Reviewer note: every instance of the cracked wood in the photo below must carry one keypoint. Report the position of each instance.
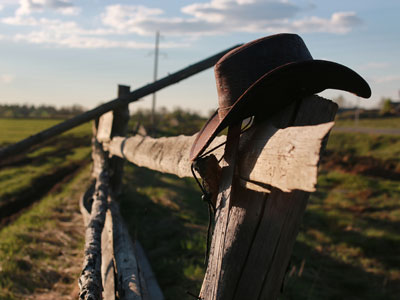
(268, 157)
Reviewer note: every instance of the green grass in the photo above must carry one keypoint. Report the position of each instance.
(389, 122)
(13, 130)
(35, 249)
(22, 173)
(168, 217)
(361, 144)
(32, 247)
(347, 247)
(348, 244)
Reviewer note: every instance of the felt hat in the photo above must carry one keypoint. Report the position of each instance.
(265, 75)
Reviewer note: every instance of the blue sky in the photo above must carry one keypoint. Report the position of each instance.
(64, 52)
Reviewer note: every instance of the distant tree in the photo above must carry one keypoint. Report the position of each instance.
(386, 106)
(42, 111)
(169, 123)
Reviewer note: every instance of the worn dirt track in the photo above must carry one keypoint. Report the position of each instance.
(363, 165)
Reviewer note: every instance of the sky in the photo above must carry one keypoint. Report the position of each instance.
(66, 52)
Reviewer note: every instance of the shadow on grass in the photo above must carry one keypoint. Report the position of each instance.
(167, 216)
(40, 186)
(323, 277)
(384, 249)
(61, 147)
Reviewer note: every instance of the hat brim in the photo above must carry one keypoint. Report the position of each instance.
(281, 86)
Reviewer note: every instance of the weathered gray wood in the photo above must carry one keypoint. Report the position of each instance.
(98, 156)
(151, 289)
(85, 203)
(127, 271)
(262, 228)
(107, 259)
(90, 282)
(119, 128)
(105, 127)
(141, 92)
(218, 249)
(268, 157)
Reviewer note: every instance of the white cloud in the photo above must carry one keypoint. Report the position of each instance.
(6, 78)
(70, 34)
(80, 41)
(64, 7)
(124, 18)
(339, 23)
(120, 23)
(1, 7)
(226, 16)
(236, 11)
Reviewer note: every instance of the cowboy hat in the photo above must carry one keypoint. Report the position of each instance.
(265, 75)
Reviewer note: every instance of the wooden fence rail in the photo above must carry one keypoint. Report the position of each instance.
(260, 190)
(263, 162)
(276, 170)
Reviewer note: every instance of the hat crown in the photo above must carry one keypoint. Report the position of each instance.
(237, 70)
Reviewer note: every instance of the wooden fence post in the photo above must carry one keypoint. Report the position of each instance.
(90, 281)
(121, 276)
(261, 228)
(119, 128)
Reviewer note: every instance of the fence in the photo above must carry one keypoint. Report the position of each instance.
(260, 192)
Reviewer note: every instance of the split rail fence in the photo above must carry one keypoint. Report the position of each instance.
(258, 209)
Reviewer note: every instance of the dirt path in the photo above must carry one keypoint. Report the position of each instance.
(63, 240)
(47, 183)
(364, 165)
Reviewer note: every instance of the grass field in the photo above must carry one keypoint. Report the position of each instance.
(39, 233)
(347, 247)
(30, 174)
(348, 244)
(42, 251)
(388, 122)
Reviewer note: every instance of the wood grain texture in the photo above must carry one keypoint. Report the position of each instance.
(107, 258)
(150, 288)
(129, 284)
(262, 227)
(90, 281)
(268, 156)
(105, 127)
(218, 247)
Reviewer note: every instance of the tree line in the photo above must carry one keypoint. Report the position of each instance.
(39, 112)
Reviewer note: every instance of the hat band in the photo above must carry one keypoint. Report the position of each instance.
(223, 111)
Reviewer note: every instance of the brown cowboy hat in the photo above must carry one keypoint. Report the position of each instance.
(265, 75)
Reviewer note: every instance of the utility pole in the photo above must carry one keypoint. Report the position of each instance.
(153, 106)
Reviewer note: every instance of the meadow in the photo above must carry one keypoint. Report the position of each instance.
(347, 247)
(348, 243)
(40, 232)
(26, 177)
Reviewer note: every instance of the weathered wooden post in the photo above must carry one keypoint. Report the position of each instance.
(121, 276)
(90, 281)
(119, 128)
(255, 231)
(262, 227)
(114, 124)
